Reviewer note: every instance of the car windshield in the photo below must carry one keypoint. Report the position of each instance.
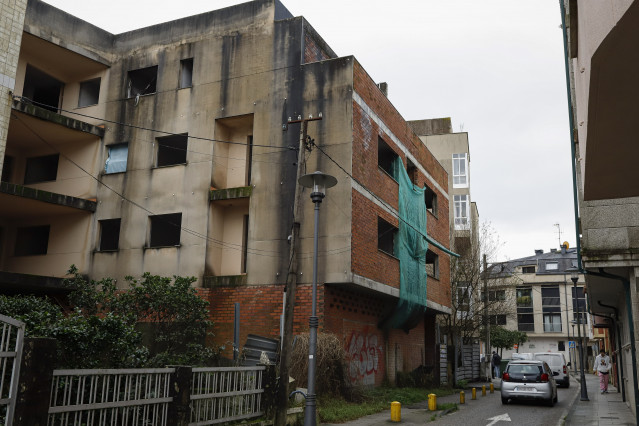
(524, 369)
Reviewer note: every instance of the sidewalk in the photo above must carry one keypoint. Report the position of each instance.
(606, 409)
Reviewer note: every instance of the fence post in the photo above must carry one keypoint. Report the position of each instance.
(269, 382)
(39, 357)
(179, 411)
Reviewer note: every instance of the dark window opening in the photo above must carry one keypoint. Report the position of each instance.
(31, 241)
(89, 92)
(109, 234)
(496, 295)
(431, 200)
(165, 230)
(497, 320)
(386, 236)
(561, 345)
(249, 158)
(528, 269)
(186, 73)
(42, 89)
(245, 243)
(7, 169)
(41, 169)
(385, 157)
(525, 316)
(142, 81)
(579, 301)
(432, 264)
(172, 150)
(411, 170)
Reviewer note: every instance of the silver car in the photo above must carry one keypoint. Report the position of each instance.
(528, 379)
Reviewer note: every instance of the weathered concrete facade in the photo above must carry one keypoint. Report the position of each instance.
(182, 145)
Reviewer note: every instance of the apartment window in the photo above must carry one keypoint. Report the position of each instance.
(551, 308)
(461, 212)
(578, 299)
(386, 157)
(109, 234)
(44, 90)
(89, 92)
(497, 320)
(525, 317)
(464, 298)
(432, 264)
(460, 171)
(552, 266)
(32, 240)
(430, 197)
(171, 150)
(528, 269)
(186, 73)
(41, 169)
(116, 158)
(142, 81)
(561, 345)
(165, 230)
(496, 295)
(7, 169)
(386, 236)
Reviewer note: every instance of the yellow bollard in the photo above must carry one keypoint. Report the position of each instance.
(483, 390)
(432, 402)
(462, 397)
(474, 393)
(396, 411)
(492, 388)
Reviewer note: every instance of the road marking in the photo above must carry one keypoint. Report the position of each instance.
(501, 418)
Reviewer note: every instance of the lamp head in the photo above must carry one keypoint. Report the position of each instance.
(318, 182)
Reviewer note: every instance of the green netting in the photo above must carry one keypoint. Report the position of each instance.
(410, 248)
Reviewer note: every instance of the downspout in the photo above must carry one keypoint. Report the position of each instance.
(620, 377)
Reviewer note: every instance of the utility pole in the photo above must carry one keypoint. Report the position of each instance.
(486, 322)
(291, 279)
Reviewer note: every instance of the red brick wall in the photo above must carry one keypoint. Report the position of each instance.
(312, 50)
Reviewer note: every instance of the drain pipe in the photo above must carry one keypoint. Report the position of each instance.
(620, 377)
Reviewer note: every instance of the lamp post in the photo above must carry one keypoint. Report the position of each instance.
(574, 277)
(318, 181)
(574, 364)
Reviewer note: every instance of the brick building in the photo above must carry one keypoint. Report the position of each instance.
(166, 149)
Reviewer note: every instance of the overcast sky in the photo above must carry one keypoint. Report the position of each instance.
(494, 66)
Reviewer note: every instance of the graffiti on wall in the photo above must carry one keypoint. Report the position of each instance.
(364, 357)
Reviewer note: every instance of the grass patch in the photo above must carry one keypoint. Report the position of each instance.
(371, 401)
(447, 406)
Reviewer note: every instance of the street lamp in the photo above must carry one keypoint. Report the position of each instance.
(574, 277)
(318, 181)
(574, 364)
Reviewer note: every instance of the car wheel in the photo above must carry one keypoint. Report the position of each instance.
(550, 402)
(504, 400)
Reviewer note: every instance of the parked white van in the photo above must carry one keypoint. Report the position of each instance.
(521, 355)
(557, 363)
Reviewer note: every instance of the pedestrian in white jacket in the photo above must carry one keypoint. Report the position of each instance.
(602, 367)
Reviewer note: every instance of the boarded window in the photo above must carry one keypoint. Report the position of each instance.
(386, 236)
(32, 240)
(186, 73)
(116, 158)
(432, 264)
(165, 230)
(89, 92)
(142, 81)
(385, 157)
(172, 150)
(41, 169)
(109, 234)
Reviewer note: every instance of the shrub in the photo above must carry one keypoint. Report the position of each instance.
(329, 367)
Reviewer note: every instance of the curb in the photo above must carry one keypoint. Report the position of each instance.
(563, 418)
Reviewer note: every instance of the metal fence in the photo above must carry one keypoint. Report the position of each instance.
(11, 343)
(127, 397)
(223, 394)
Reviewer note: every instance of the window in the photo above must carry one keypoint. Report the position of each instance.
(172, 150)
(7, 169)
(89, 92)
(41, 169)
(497, 320)
(460, 174)
(432, 264)
(528, 269)
(461, 212)
(43, 89)
(431, 200)
(386, 236)
(117, 158)
(165, 230)
(411, 170)
(496, 295)
(245, 243)
(109, 234)
(552, 266)
(386, 157)
(579, 300)
(464, 298)
(142, 81)
(561, 345)
(31, 241)
(525, 317)
(186, 73)
(551, 307)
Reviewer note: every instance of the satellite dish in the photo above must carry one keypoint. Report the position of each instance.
(566, 244)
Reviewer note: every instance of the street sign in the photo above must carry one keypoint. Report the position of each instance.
(571, 344)
(515, 346)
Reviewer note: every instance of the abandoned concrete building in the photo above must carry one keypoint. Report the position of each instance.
(167, 149)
